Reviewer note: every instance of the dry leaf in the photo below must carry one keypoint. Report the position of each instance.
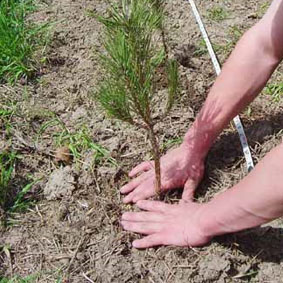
(63, 154)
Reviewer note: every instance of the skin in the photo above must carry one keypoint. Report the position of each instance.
(257, 199)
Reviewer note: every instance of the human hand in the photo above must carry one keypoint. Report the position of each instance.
(181, 167)
(166, 224)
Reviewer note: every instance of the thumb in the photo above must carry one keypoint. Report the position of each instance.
(189, 190)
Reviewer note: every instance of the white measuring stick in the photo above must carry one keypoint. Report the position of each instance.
(236, 120)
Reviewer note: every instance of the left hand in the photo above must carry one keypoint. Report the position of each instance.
(180, 167)
(166, 224)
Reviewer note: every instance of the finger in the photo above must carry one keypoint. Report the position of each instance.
(143, 191)
(138, 194)
(129, 198)
(144, 166)
(132, 184)
(149, 241)
(189, 189)
(143, 216)
(182, 201)
(151, 205)
(142, 227)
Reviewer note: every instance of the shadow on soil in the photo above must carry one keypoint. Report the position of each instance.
(264, 243)
(228, 148)
(227, 151)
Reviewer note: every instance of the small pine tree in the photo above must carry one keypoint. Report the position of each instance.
(131, 63)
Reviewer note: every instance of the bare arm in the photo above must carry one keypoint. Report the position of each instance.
(257, 199)
(243, 76)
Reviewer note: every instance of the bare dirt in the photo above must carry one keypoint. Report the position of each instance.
(72, 233)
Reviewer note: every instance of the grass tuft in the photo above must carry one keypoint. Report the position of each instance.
(19, 279)
(18, 41)
(275, 90)
(7, 162)
(80, 142)
(10, 200)
(217, 14)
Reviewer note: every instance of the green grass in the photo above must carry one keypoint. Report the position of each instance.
(11, 197)
(19, 40)
(12, 201)
(201, 48)
(7, 163)
(235, 33)
(80, 142)
(7, 111)
(275, 90)
(20, 204)
(170, 143)
(217, 14)
(262, 9)
(19, 279)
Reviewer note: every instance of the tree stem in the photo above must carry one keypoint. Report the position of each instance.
(156, 157)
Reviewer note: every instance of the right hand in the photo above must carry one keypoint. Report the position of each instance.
(181, 167)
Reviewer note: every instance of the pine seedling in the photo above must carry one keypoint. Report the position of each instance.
(131, 63)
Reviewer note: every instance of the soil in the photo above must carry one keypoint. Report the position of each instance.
(72, 232)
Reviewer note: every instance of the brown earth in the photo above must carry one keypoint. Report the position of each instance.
(74, 235)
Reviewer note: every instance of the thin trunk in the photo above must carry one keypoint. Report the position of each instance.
(156, 157)
(166, 49)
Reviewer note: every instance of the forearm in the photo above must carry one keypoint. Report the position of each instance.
(257, 199)
(242, 78)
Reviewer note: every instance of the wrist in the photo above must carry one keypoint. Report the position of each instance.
(208, 224)
(199, 141)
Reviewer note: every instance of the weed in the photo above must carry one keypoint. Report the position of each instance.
(80, 142)
(7, 163)
(20, 204)
(170, 143)
(18, 41)
(262, 9)
(18, 279)
(217, 14)
(248, 111)
(235, 33)
(9, 200)
(7, 112)
(275, 90)
(201, 48)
